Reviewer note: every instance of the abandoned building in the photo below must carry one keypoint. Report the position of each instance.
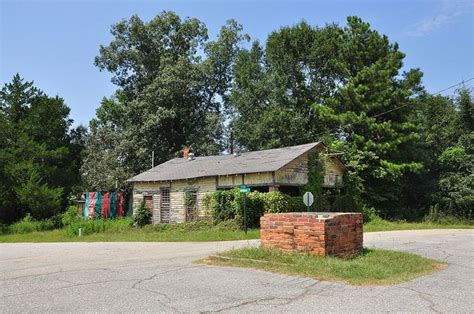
(174, 190)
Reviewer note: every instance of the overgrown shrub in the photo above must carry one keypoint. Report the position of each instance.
(70, 216)
(440, 217)
(228, 205)
(98, 226)
(41, 200)
(370, 215)
(278, 202)
(142, 216)
(28, 224)
(3, 228)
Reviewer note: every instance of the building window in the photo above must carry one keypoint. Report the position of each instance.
(165, 205)
(191, 205)
(148, 199)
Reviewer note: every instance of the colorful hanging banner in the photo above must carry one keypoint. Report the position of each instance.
(105, 205)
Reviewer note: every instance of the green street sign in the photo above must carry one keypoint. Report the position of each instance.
(244, 188)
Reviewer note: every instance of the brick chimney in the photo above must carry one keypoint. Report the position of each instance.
(186, 152)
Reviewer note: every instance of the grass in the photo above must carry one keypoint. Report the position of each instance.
(384, 225)
(132, 235)
(372, 267)
(121, 230)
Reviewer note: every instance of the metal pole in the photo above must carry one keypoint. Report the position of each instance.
(153, 159)
(245, 214)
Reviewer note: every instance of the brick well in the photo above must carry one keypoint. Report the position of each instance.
(323, 234)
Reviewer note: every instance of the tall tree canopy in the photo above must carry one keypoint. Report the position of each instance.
(310, 83)
(449, 132)
(171, 81)
(340, 84)
(39, 153)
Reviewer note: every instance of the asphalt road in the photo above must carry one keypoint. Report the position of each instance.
(160, 277)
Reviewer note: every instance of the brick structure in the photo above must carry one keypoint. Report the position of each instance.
(323, 234)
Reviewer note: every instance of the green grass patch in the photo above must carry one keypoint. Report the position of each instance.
(132, 235)
(372, 267)
(123, 230)
(384, 225)
(67, 230)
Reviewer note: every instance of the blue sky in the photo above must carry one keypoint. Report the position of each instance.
(54, 42)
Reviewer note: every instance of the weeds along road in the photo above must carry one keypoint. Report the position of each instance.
(131, 277)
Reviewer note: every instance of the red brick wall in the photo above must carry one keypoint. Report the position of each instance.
(323, 234)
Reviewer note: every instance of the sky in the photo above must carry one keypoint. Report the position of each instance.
(53, 43)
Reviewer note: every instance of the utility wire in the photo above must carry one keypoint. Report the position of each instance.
(395, 109)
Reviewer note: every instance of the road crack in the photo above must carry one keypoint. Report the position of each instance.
(258, 301)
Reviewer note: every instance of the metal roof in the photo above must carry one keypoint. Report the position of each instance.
(249, 162)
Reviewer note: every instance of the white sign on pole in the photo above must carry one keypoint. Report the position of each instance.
(308, 199)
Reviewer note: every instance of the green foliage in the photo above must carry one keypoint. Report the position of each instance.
(193, 226)
(308, 80)
(142, 215)
(192, 212)
(176, 87)
(223, 205)
(28, 224)
(454, 163)
(228, 205)
(41, 200)
(316, 172)
(450, 222)
(171, 81)
(436, 216)
(70, 216)
(278, 202)
(39, 152)
(98, 226)
(370, 215)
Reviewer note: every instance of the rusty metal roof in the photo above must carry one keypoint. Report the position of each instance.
(248, 162)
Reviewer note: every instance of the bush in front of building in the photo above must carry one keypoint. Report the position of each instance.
(277, 202)
(71, 215)
(228, 205)
(142, 216)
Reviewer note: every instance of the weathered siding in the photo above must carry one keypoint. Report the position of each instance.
(150, 186)
(177, 195)
(176, 205)
(334, 173)
(333, 168)
(263, 178)
(294, 173)
(141, 189)
(178, 189)
(229, 181)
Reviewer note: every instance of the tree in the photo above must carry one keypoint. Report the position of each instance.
(331, 83)
(37, 166)
(455, 163)
(466, 110)
(171, 81)
(104, 165)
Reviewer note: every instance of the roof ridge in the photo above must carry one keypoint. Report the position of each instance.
(256, 151)
(266, 160)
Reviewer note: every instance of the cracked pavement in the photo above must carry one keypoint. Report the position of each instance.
(160, 277)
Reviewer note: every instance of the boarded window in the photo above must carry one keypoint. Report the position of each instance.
(191, 205)
(148, 202)
(165, 205)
